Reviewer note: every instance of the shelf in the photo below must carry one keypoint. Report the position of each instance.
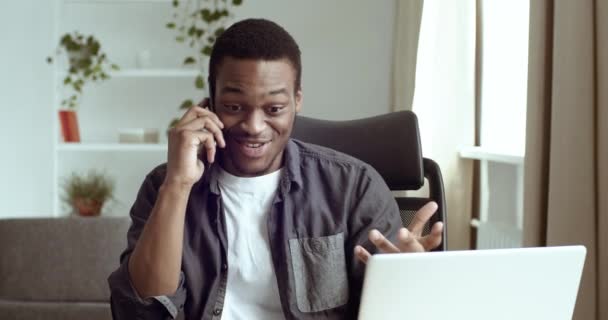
(135, 147)
(150, 73)
(481, 153)
(155, 73)
(117, 1)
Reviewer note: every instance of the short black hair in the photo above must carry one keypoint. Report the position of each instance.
(258, 39)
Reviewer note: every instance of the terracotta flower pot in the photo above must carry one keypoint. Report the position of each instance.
(69, 126)
(87, 207)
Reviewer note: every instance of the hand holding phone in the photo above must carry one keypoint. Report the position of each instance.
(199, 131)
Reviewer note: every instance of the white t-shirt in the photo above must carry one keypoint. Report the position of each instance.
(252, 291)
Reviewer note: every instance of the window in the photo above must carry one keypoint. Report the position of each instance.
(504, 65)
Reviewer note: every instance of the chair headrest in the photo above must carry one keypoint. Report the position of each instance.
(390, 143)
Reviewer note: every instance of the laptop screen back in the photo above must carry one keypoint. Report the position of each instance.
(525, 283)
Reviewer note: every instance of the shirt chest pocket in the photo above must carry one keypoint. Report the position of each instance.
(319, 268)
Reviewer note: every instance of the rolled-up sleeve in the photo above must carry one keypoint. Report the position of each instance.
(124, 299)
(127, 304)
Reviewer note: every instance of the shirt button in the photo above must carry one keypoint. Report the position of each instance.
(217, 312)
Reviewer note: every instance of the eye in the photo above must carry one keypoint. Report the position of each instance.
(275, 109)
(233, 107)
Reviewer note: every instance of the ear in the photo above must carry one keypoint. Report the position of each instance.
(299, 98)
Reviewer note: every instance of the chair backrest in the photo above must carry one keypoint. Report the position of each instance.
(391, 144)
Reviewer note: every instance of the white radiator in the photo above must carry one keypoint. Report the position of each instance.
(493, 235)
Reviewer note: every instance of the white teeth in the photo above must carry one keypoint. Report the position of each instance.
(254, 145)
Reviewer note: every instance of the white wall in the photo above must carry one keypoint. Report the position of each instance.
(346, 52)
(26, 109)
(346, 45)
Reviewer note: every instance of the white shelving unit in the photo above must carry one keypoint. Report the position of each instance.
(132, 97)
(104, 147)
(117, 1)
(150, 73)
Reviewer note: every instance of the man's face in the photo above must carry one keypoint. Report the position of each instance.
(256, 101)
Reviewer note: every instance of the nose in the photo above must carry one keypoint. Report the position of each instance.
(254, 123)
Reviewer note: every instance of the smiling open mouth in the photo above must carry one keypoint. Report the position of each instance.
(253, 145)
(252, 149)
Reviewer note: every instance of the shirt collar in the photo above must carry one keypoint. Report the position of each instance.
(292, 174)
(291, 164)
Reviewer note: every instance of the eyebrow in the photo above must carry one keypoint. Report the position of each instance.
(229, 89)
(279, 91)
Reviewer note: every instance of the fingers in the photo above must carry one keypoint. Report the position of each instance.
(196, 139)
(433, 239)
(199, 112)
(208, 142)
(362, 254)
(383, 244)
(202, 124)
(408, 241)
(422, 217)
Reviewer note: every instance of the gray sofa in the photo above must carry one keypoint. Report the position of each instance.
(56, 268)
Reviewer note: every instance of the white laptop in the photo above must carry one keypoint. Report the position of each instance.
(526, 283)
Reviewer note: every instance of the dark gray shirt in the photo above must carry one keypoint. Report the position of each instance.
(326, 204)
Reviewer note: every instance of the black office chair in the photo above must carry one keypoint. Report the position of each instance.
(391, 144)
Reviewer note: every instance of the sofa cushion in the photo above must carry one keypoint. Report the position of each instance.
(59, 259)
(55, 310)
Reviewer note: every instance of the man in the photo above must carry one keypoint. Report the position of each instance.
(244, 223)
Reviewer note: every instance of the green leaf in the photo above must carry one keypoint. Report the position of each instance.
(175, 3)
(186, 104)
(49, 60)
(192, 31)
(237, 2)
(171, 25)
(115, 67)
(211, 39)
(189, 60)
(199, 82)
(180, 39)
(207, 50)
(206, 15)
(216, 15)
(67, 80)
(173, 123)
(219, 31)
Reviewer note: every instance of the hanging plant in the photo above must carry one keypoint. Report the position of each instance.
(198, 23)
(86, 62)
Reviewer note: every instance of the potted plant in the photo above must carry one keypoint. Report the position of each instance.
(86, 194)
(86, 62)
(198, 23)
